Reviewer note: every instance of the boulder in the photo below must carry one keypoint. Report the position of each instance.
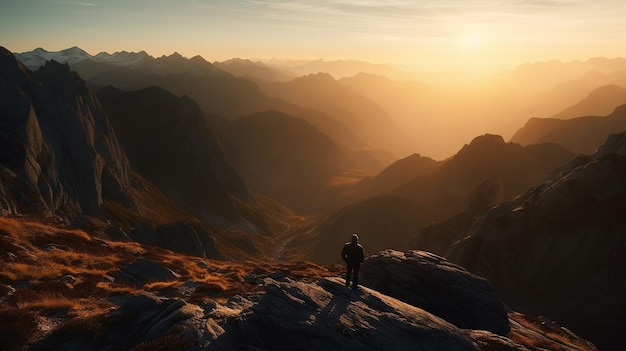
(438, 286)
(143, 271)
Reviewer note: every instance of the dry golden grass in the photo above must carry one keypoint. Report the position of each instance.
(41, 255)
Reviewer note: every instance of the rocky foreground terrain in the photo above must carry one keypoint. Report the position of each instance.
(64, 289)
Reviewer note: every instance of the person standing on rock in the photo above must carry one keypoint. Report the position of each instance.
(352, 254)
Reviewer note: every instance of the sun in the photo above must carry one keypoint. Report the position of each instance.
(471, 41)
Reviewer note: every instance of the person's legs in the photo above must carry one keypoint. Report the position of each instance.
(355, 279)
(348, 274)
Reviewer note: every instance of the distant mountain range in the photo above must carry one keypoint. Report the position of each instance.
(389, 219)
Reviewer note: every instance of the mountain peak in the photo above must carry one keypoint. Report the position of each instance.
(486, 141)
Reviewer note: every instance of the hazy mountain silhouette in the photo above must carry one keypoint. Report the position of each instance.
(337, 68)
(557, 249)
(580, 135)
(322, 92)
(169, 142)
(439, 194)
(600, 102)
(216, 91)
(399, 172)
(288, 159)
(517, 166)
(254, 70)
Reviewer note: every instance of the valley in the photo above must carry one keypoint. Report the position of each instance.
(217, 196)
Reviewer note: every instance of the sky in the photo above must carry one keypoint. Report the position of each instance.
(426, 35)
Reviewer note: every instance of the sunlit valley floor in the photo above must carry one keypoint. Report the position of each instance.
(171, 203)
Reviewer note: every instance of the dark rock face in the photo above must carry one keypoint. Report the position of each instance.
(58, 152)
(183, 237)
(438, 237)
(169, 142)
(557, 249)
(440, 287)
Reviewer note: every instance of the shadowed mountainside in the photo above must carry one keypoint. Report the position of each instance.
(438, 237)
(98, 295)
(387, 221)
(289, 159)
(580, 135)
(557, 248)
(165, 138)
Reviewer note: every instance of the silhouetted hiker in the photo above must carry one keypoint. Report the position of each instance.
(353, 255)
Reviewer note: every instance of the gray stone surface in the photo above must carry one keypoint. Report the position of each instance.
(438, 286)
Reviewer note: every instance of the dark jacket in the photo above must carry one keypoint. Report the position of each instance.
(352, 253)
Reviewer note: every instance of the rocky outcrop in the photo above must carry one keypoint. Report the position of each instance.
(151, 298)
(183, 237)
(56, 144)
(440, 287)
(287, 315)
(556, 249)
(438, 237)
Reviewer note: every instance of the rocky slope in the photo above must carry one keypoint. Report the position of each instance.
(58, 152)
(557, 248)
(102, 295)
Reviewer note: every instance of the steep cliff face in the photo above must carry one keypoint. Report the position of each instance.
(58, 152)
(558, 248)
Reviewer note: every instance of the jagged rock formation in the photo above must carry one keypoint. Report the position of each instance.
(557, 249)
(165, 137)
(440, 287)
(438, 237)
(579, 135)
(58, 152)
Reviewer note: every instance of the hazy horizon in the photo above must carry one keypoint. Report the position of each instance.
(464, 37)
